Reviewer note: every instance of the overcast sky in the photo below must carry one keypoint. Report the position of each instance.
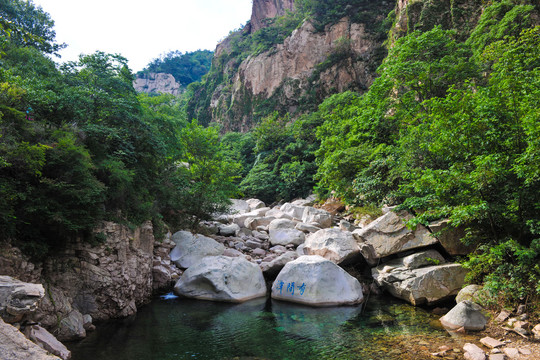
(142, 30)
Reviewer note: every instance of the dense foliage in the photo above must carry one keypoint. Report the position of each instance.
(186, 68)
(78, 145)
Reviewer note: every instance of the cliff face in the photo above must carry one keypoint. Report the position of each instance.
(158, 83)
(306, 68)
(268, 9)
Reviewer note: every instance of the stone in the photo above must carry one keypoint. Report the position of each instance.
(536, 331)
(161, 277)
(15, 346)
(333, 244)
(278, 249)
(512, 353)
(258, 252)
(255, 204)
(426, 285)
(491, 342)
(300, 250)
(521, 309)
(473, 352)
(469, 292)
(254, 223)
(18, 299)
(254, 244)
(423, 258)
(190, 251)
(273, 267)
(232, 253)
(229, 230)
(239, 206)
(522, 327)
(497, 357)
(450, 237)
(388, 235)
(466, 314)
(47, 341)
(181, 236)
(307, 228)
(316, 281)
(503, 316)
(240, 219)
(293, 211)
(221, 278)
(281, 224)
(260, 235)
(87, 323)
(286, 237)
(525, 351)
(346, 226)
(318, 216)
(71, 327)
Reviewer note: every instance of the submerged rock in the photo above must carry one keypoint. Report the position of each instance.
(222, 278)
(314, 280)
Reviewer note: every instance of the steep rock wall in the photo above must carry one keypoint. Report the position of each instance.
(157, 83)
(268, 9)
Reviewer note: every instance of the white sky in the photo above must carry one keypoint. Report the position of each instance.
(142, 30)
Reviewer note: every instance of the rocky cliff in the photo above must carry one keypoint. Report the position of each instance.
(87, 282)
(293, 76)
(268, 9)
(157, 83)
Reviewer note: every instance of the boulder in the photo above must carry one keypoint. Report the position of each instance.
(221, 278)
(229, 230)
(346, 226)
(450, 237)
(388, 235)
(71, 327)
(469, 292)
(273, 267)
(255, 204)
(294, 211)
(282, 224)
(190, 251)
(286, 236)
(421, 285)
(181, 236)
(278, 214)
(239, 206)
(15, 346)
(307, 228)
(473, 352)
(318, 216)
(316, 281)
(47, 341)
(18, 299)
(466, 314)
(333, 244)
(254, 222)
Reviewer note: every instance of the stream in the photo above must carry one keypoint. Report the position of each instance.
(174, 328)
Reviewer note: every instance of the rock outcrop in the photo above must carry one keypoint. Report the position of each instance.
(18, 299)
(388, 235)
(15, 346)
(157, 83)
(316, 281)
(222, 278)
(263, 10)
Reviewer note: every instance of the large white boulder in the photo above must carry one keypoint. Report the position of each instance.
(314, 280)
(255, 204)
(388, 235)
(294, 211)
(418, 281)
(221, 278)
(333, 244)
(190, 250)
(283, 232)
(240, 219)
(239, 206)
(317, 216)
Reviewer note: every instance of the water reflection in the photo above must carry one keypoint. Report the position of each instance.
(175, 328)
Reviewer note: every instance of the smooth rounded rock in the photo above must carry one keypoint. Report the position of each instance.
(286, 237)
(190, 251)
(221, 278)
(333, 244)
(466, 314)
(316, 281)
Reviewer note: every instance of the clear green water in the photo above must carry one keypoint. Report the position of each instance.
(265, 329)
